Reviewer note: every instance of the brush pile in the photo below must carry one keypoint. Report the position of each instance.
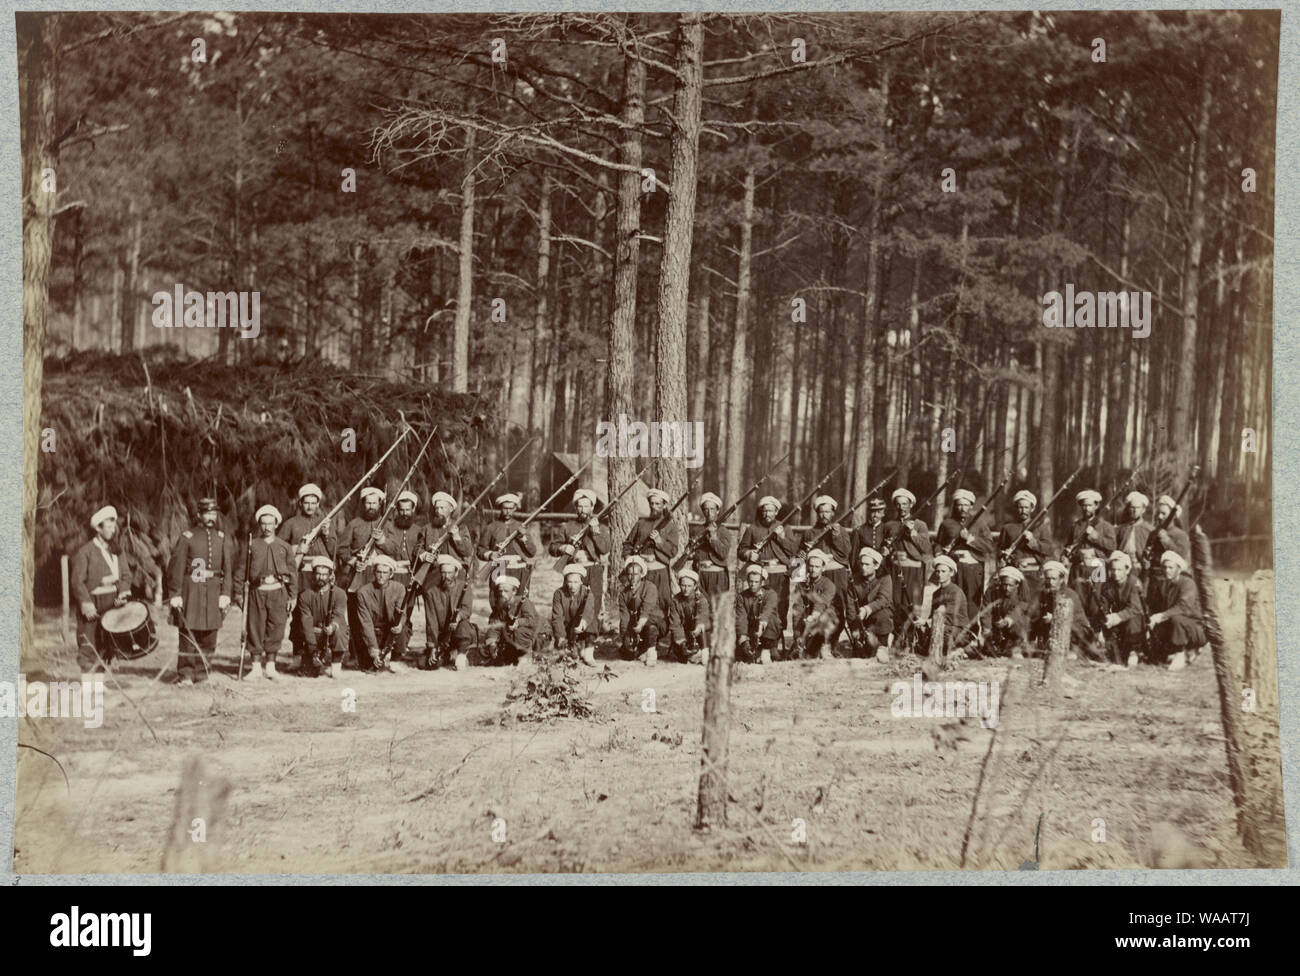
(152, 434)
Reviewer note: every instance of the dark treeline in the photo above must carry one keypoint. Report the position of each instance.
(840, 253)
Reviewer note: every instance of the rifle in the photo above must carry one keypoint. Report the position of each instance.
(564, 559)
(421, 572)
(887, 547)
(668, 513)
(1149, 553)
(319, 527)
(1037, 519)
(369, 547)
(694, 544)
(504, 543)
(780, 523)
(948, 549)
(1067, 554)
(807, 547)
(243, 633)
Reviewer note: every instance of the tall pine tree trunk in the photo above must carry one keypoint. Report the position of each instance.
(465, 274)
(739, 398)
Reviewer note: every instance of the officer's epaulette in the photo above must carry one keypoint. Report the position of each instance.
(188, 534)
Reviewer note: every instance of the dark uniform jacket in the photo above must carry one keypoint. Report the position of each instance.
(753, 609)
(687, 613)
(269, 557)
(378, 611)
(438, 540)
(1104, 544)
(815, 596)
(710, 548)
(640, 544)
(1124, 599)
(518, 617)
(902, 543)
(91, 571)
(1006, 616)
(635, 602)
(402, 544)
(953, 601)
(980, 547)
(443, 603)
(496, 532)
(1043, 548)
(594, 543)
(201, 571)
(1080, 629)
(781, 549)
(354, 538)
(1131, 537)
(1179, 599)
(569, 608)
(320, 608)
(295, 528)
(868, 536)
(872, 596)
(837, 542)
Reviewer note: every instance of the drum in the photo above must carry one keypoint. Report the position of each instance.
(130, 629)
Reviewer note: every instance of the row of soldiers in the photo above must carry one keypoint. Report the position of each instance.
(349, 588)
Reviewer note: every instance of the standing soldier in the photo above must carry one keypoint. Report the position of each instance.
(640, 614)
(867, 607)
(590, 550)
(512, 625)
(712, 548)
(1172, 537)
(1008, 614)
(1131, 534)
(448, 541)
(573, 614)
(294, 531)
(100, 579)
(690, 619)
(757, 626)
(1092, 539)
(322, 619)
(360, 531)
(1033, 548)
(969, 546)
(379, 612)
(272, 591)
(767, 543)
(1120, 614)
(836, 545)
(815, 610)
(1175, 625)
(515, 556)
(448, 607)
(200, 580)
(658, 547)
(402, 538)
(908, 541)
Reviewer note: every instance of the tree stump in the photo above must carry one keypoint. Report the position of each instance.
(197, 821)
(712, 808)
(1058, 644)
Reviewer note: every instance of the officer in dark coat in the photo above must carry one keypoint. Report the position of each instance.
(100, 577)
(200, 581)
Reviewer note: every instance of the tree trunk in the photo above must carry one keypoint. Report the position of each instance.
(539, 337)
(131, 279)
(675, 262)
(465, 278)
(739, 397)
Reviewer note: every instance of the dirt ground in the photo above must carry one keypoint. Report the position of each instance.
(1127, 769)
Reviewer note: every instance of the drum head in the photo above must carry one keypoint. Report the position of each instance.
(124, 619)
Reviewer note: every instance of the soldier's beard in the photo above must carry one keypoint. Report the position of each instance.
(403, 521)
(370, 514)
(438, 521)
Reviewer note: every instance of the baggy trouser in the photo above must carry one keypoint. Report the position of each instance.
(268, 612)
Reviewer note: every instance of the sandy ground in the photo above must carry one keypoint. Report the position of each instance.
(1127, 769)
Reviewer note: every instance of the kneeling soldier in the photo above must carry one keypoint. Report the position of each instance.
(573, 614)
(948, 596)
(640, 614)
(513, 624)
(379, 614)
(815, 610)
(1054, 593)
(1007, 610)
(689, 619)
(757, 626)
(867, 607)
(1119, 617)
(448, 606)
(1176, 623)
(322, 615)
(272, 591)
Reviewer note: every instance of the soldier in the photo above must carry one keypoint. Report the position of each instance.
(908, 543)
(767, 543)
(871, 533)
(379, 614)
(969, 546)
(1131, 534)
(573, 614)
(757, 626)
(712, 548)
(1007, 611)
(815, 610)
(657, 546)
(949, 596)
(352, 542)
(100, 577)
(443, 537)
(690, 619)
(1120, 614)
(1172, 537)
(867, 607)
(272, 591)
(402, 537)
(1055, 590)
(294, 531)
(640, 614)
(492, 542)
(322, 619)
(836, 543)
(200, 581)
(1175, 625)
(448, 607)
(1091, 539)
(1033, 548)
(513, 625)
(591, 549)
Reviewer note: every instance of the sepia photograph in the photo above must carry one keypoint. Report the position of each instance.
(616, 443)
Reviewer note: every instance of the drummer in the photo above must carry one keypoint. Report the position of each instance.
(101, 576)
(200, 580)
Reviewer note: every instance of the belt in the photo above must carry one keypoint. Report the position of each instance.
(710, 568)
(210, 574)
(102, 590)
(274, 585)
(775, 566)
(1028, 564)
(403, 565)
(908, 563)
